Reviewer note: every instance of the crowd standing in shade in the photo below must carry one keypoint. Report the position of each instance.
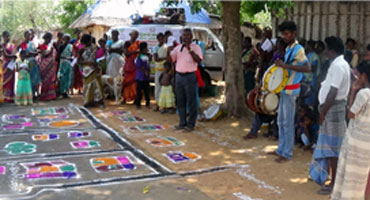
(331, 95)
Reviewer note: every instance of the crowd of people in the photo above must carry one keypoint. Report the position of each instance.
(61, 66)
(328, 86)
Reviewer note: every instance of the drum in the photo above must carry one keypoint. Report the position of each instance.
(263, 102)
(268, 103)
(275, 79)
(250, 100)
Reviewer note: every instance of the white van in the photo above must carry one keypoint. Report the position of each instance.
(214, 51)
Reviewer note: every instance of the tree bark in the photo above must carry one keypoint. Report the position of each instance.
(234, 76)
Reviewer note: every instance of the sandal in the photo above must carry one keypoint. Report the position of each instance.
(325, 190)
(249, 136)
(281, 159)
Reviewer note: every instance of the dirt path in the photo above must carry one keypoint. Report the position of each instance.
(251, 174)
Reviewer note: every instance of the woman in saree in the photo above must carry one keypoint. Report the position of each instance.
(77, 69)
(64, 71)
(1, 75)
(92, 80)
(48, 69)
(115, 59)
(8, 68)
(131, 51)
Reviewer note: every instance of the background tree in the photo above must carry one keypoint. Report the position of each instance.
(18, 16)
(70, 11)
(234, 13)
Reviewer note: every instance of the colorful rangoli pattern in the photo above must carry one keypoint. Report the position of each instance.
(44, 120)
(17, 126)
(178, 156)
(49, 111)
(64, 124)
(165, 142)
(84, 144)
(147, 127)
(112, 164)
(16, 148)
(131, 119)
(58, 169)
(45, 137)
(78, 134)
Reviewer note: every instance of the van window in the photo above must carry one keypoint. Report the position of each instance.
(203, 36)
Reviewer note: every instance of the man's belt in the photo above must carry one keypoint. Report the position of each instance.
(184, 73)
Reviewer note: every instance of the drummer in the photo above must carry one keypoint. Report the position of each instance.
(250, 60)
(295, 62)
(261, 118)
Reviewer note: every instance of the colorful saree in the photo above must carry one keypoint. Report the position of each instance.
(8, 76)
(1, 82)
(92, 82)
(23, 93)
(64, 73)
(77, 69)
(48, 74)
(102, 62)
(129, 82)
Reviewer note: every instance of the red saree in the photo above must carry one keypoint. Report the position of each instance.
(129, 82)
(8, 76)
(48, 72)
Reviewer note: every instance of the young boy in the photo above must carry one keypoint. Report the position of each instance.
(295, 62)
(307, 130)
(142, 75)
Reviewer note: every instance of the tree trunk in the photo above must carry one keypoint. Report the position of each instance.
(234, 76)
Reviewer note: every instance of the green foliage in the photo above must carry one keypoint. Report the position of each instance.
(71, 10)
(18, 16)
(252, 11)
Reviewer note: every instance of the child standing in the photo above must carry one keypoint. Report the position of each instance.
(142, 75)
(101, 55)
(166, 97)
(354, 165)
(23, 92)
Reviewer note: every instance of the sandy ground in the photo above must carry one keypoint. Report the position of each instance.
(220, 143)
(233, 168)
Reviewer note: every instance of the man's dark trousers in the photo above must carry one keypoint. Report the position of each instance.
(186, 95)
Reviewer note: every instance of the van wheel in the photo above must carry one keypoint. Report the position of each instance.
(207, 82)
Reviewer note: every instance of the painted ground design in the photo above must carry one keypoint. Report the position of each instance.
(64, 147)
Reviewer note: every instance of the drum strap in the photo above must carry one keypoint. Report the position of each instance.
(290, 56)
(293, 87)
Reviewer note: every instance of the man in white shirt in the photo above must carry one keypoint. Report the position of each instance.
(333, 100)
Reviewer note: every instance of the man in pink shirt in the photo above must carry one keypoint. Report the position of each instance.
(187, 57)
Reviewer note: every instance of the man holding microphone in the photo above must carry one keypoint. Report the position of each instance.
(187, 57)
